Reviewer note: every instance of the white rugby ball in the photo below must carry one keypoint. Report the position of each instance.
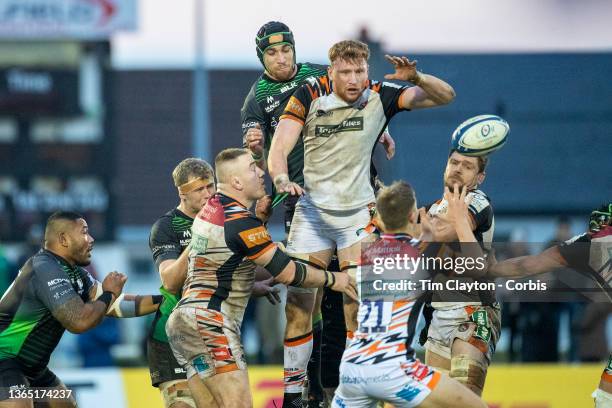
(480, 135)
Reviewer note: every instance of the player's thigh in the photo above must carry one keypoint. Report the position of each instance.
(437, 361)
(238, 382)
(48, 380)
(449, 393)
(200, 394)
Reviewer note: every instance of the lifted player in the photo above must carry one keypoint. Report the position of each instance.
(260, 114)
(339, 118)
(589, 253)
(227, 243)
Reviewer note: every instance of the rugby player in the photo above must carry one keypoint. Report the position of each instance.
(170, 236)
(379, 363)
(462, 335)
(340, 117)
(260, 114)
(589, 253)
(53, 293)
(227, 242)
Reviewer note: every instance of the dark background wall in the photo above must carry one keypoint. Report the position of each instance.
(557, 159)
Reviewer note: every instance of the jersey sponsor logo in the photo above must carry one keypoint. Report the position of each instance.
(295, 106)
(288, 87)
(270, 99)
(347, 125)
(248, 125)
(255, 236)
(57, 282)
(272, 106)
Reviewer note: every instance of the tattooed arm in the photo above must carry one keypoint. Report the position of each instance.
(77, 316)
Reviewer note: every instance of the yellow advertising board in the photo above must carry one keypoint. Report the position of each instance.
(508, 386)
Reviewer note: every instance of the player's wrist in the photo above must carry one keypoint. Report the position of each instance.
(281, 180)
(417, 79)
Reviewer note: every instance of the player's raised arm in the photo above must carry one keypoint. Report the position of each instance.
(523, 266)
(429, 91)
(285, 138)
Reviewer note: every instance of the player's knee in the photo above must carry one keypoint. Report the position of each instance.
(176, 394)
(470, 371)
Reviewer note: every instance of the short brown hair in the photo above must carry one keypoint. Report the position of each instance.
(191, 167)
(225, 156)
(483, 161)
(394, 204)
(349, 50)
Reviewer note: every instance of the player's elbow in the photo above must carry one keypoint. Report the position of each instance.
(447, 96)
(77, 327)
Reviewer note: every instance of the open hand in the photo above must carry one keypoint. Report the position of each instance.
(405, 70)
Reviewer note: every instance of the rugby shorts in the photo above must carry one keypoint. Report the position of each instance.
(478, 325)
(404, 384)
(205, 342)
(13, 376)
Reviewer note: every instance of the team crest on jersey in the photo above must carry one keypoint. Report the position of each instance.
(199, 243)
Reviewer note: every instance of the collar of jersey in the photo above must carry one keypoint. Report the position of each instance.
(59, 258)
(232, 198)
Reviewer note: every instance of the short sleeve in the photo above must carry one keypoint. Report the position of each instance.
(298, 105)
(481, 210)
(248, 236)
(163, 242)
(390, 94)
(51, 283)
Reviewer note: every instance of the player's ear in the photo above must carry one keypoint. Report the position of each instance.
(236, 183)
(480, 178)
(63, 239)
(413, 215)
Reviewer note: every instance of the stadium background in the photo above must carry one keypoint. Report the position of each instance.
(84, 127)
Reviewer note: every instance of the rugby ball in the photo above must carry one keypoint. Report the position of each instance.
(480, 135)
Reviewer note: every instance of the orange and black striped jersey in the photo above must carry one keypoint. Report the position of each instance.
(339, 139)
(226, 238)
(387, 318)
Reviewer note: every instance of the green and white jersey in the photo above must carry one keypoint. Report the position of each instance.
(28, 331)
(170, 235)
(265, 104)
